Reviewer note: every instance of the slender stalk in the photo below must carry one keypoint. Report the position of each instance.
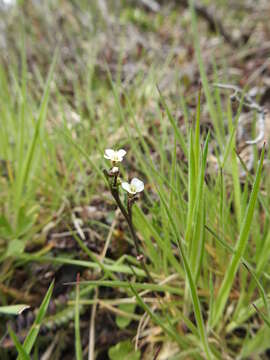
(128, 217)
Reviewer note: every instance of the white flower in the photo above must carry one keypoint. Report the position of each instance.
(134, 187)
(114, 170)
(115, 156)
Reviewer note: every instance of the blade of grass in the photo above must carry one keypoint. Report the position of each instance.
(33, 333)
(235, 173)
(93, 257)
(160, 241)
(232, 250)
(172, 333)
(205, 84)
(197, 134)
(21, 351)
(23, 176)
(192, 287)
(139, 286)
(240, 248)
(83, 153)
(78, 344)
(196, 248)
(87, 264)
(256, 345)
(263, 316)
(191, 189)
(13, 309)
(233, 129)
(177, 132)
(259, 286)
(250, 180)
(139, 221)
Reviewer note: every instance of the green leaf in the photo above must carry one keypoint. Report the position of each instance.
(88, 264)
(170, 331)
(33, 333)
(21, 351)
(256, 345)
(264, 317)
(205, 83)
(5, 228)
(15, 247)
(25, 221)
(191, 283)
(78, 344)
(21, 183)
(247, 266)
(173, 122)
(123, 321)
(239, 249)
(260, 288)
(13, 309)
(196, 244)
(124, 350)
(137, 286)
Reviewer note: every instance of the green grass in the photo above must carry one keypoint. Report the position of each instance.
(25, 349)
(197, 220)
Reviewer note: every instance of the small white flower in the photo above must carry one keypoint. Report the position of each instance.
(114, 170)
(134, 187)
(115, 156)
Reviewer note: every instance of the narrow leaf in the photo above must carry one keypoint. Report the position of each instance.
(21, 351)
(33, 333)
(239, 249)
(78, 344)
(13, 309)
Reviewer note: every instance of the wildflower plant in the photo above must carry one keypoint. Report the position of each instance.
(133, 188)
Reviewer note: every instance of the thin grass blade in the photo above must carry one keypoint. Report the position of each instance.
(239, 248)
(192, 287)
(78, 343)
(21, 351)
(33, 333)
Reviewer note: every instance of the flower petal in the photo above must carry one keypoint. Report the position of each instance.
(126, 186)
(115, 169)
(109, 153)
(138, 184)
(121, 153)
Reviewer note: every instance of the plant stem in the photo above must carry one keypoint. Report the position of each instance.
(128, 217)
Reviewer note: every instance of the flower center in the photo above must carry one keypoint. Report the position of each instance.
(115, 157)
(133, 188)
